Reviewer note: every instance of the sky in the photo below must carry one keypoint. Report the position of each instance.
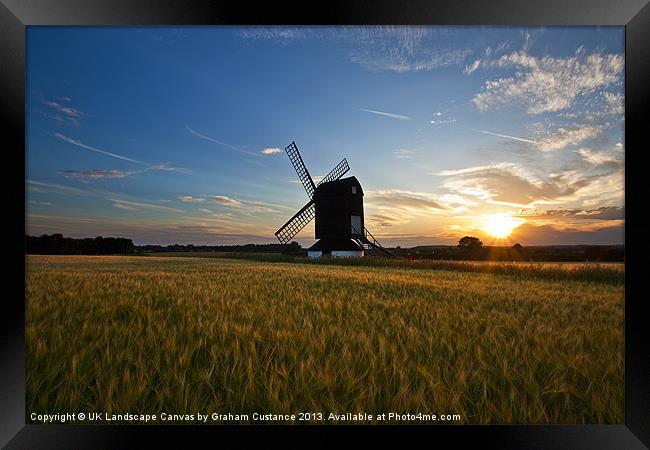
(176, 135)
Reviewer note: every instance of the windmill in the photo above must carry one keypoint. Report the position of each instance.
(337, 205)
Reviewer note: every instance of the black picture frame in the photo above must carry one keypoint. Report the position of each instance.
(15, 15)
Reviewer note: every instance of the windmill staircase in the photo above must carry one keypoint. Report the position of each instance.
(370, 245)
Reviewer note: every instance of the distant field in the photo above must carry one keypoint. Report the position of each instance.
(253, 255)
(584, 271)
(186, 335)
(212, 254)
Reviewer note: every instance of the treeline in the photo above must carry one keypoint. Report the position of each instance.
(294, 248)
(572, 253)
(56, 244)
(470, 249)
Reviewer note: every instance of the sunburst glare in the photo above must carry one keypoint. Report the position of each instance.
(500, 225)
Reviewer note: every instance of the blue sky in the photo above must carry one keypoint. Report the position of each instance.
(176, 135)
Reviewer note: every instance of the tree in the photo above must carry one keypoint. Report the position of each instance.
(56, 244)
(470, 242)
(293, 249)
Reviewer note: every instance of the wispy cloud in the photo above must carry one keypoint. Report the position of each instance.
(548, 84)
(392, 207)
(88, 147)
(403, 49)
(615, 103)
(271, 150)
(112, 173)
(507, 183)
(281, 35)
(378, 48)
(64, 113)
(556, 139)
(404, 153)
(215, 141)
(404, 199)
(316, 179)
(39, 186)
(611, 212)
(116, 199)
(488, 54)
(241, 206)
(438, 122)
(512, 167)
(121, 205)
(98, 173)
(387, 114)
(116, 173)
(225, 200)
(183, 230)
(600, 158)
(513, 185)
(441, 118)
(190, 199)
(37, 203)
(165, 167)
(126, 204)
(470, 68)
(67, 110)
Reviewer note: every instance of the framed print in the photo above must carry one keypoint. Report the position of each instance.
(374, 218)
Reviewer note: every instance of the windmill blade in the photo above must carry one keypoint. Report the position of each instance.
(336, 172)
(301, 169)
(296, 223)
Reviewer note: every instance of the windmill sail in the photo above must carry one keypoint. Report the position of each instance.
(296, 223)
(336, 172)
(301, 169)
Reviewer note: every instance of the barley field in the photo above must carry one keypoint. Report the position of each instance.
(184, 335)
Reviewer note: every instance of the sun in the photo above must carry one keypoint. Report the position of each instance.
(500, 225)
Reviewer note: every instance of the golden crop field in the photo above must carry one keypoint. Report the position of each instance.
(187, 335)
